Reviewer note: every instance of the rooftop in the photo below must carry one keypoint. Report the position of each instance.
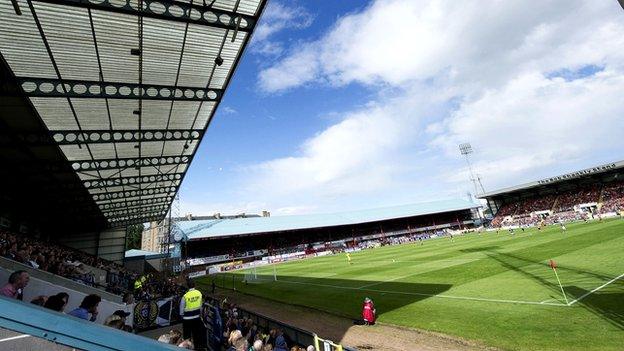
(125, 90)
(557, 179)
(203, 229)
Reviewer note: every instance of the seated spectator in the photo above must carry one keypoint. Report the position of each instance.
(121, 314)
(39, 300)
(164, 338)
(89, 305)
(57, 302)
(128, 298)
(175, 337)
(257, 346)
(186, 344)
(117, 320)
(116, 324)
(280, 342)
(237, 342)
(110, 319)
(14, 289)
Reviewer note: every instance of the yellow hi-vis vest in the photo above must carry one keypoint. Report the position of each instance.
(192, 304)
(137, 284)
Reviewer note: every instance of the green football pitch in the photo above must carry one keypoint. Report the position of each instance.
(494, 288)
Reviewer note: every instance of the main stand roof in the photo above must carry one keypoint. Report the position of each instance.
(125, 89)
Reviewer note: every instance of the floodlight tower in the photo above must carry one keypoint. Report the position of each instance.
(466, 150)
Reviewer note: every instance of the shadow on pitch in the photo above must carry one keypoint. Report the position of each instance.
(341, 297)
(606, 304)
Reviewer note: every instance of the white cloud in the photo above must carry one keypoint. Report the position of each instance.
(471, 43)
(228, 110)
(535, 122)
(474, 71)
(278, 17)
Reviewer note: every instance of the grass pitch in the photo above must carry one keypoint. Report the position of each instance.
(494, 288)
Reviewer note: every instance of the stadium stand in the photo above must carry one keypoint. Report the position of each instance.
(213, 245)
(66, 262)
(589, 193)
(75, 173)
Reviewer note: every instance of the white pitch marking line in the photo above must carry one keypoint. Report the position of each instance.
(428, 295)
(543, 302)
(598, 288)
(14, 338)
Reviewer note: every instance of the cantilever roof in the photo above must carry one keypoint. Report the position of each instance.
(557, 179)
(125, 88)
(227, 227)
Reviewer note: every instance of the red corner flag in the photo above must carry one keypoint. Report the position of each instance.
(552, 264)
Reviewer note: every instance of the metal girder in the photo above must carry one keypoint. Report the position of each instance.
(169, 11)
(136, 203)
(130, 216)
(122, 201)
(136, 210)
(129, 193)
(77, 137)
(115, 163)
(69, 137)
(125, 222)
(45, 87)
(119, 181)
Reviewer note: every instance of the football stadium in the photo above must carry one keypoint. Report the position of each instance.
(109, 237)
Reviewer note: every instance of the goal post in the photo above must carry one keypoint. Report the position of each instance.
(252, 275)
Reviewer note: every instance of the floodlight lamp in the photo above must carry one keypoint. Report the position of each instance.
(465, 148)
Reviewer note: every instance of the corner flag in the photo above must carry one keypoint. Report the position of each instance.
(553, 265)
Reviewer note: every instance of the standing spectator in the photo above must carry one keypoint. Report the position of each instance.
(190, 310)
(89, 305)
(14, 289)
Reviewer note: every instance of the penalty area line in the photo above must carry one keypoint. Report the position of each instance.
(543, 303)
(596, 289)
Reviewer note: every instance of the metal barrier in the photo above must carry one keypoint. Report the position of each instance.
(298, 336)
(63, 329)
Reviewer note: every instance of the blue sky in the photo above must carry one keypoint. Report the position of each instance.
(341, 105)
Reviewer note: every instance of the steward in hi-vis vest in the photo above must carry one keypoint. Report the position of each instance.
(192, 304)
(190, 310)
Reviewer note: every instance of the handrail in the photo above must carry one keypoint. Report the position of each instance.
(67, 330)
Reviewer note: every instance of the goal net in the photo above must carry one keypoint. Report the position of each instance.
(252, 275)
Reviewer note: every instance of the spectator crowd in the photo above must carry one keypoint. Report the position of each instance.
(562, 207)
(240, 333)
